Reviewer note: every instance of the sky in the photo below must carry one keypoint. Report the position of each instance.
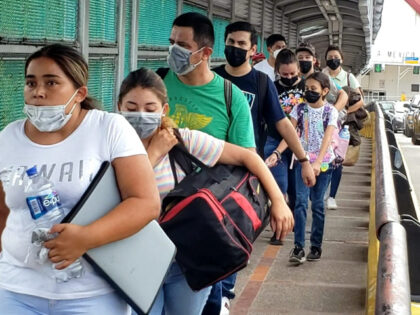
(399, 32)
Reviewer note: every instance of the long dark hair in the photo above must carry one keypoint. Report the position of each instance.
(73, 65)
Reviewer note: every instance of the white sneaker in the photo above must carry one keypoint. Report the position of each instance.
(331, 204)
(225, 306)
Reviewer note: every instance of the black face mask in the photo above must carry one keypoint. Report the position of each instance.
(289, 81)
(312, 96)
(305, 66)
(235, 56)
(333, 64)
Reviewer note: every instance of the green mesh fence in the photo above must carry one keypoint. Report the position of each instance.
(191, 8)
(101, 83)
(127, 36)
(219, 34)
(35, 20)
(12, 82)
(155, 21)
(153, 64)
(103, 16)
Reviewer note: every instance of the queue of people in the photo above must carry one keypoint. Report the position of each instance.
(277, 121)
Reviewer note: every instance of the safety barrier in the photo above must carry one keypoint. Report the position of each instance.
(393, 283)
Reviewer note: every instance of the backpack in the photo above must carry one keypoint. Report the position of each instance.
(213, 216)
(262, 89)
(300, 113)
(162, 72)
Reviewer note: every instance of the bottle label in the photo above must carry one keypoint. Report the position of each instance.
(40, 205)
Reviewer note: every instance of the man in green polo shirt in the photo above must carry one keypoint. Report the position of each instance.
(196, 94)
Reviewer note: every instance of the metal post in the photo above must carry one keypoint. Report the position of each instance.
(121, 45)
(249, 10)
(262, 25)
(179, 7)
(210, 12)
(232, 13)
(134, 34)
(398, 81)
(84, 28)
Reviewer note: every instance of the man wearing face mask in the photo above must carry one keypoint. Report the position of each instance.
(305, 53)
(196, 94)
(275, 43)
(241, 44)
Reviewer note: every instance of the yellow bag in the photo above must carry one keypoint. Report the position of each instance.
(352, 155)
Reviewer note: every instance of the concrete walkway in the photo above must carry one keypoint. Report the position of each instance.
(337, 283)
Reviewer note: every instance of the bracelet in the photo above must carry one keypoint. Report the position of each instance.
(278, 154)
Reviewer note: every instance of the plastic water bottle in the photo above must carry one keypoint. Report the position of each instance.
(45, 208)
(343, 142)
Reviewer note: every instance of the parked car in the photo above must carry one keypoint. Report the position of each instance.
(387, 108)
(398, 117)
(408, 120)
(415, 137)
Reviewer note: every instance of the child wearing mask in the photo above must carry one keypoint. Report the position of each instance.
(315, 120)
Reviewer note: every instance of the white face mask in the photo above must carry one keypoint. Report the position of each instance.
(144, 123)
(276, 52)
(49, 118)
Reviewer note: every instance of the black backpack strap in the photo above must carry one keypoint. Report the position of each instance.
(180, 154)
(228, 97)
(162, 72)
(262, 90)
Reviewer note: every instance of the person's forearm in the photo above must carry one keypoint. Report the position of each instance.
(353, 108)
(282, 146)
(341, 101)
(123, 221)
(326, 141)
(289, 134)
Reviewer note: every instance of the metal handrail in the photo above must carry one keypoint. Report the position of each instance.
(393, 284)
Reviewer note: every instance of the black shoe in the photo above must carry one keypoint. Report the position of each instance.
(297, 255)
(315, 254)
(274, 241)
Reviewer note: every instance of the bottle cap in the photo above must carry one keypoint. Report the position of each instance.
(31, 171)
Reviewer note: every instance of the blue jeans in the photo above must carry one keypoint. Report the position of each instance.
(335, 180)
(12, 303)
(282, 173)
(316, 193)
(176, 297)
(218, 290)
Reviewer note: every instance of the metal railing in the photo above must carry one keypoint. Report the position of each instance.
(393, 284)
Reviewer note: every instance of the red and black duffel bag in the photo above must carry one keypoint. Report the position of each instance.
(213, 216)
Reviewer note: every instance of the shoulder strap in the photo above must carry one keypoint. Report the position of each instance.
(325, 116)
(262, 92)
(228, 96)
(348, 79)
(299, 110)
(162, 72)
(179, 154)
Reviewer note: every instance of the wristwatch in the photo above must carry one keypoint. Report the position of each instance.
(305, 159)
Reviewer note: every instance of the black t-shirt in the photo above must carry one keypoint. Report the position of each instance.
(271, 111)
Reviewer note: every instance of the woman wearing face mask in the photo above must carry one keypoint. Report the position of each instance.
(290, 87)
(143, 101)
(68, 144)
(315, 120)
(334, 59)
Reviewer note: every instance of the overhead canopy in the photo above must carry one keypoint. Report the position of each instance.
(349, 24)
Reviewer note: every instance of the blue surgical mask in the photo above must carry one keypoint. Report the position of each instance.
(144, 123)
(49, 118)
(179, 59)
